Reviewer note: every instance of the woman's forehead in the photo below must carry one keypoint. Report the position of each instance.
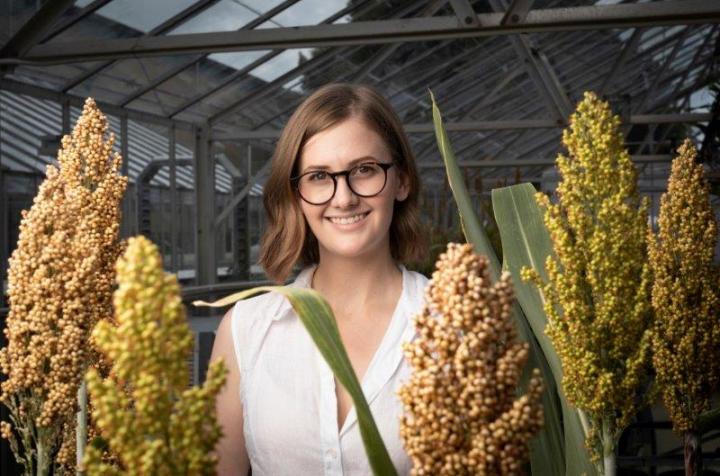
(343, 145)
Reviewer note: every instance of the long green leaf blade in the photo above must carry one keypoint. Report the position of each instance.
(317, 317)
(526, 242)
(547, 452)
(472, 228)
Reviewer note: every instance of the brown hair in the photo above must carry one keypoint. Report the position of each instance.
(287, 238)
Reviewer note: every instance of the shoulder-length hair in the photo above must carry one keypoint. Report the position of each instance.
(288, 239)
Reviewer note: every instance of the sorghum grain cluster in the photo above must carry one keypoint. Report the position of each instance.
(597, 297)
(60, 284)
(462, 415)
(151, 421)
(686, 293)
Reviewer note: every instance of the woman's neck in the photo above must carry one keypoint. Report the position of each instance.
(350, 284)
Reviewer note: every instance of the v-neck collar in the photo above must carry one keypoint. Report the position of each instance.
(388, 352)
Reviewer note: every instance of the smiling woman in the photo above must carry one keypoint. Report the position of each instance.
(335, 128)
(341, 203)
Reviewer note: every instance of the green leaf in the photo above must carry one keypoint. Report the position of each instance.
(471, 226)
(317, 317)
(526, 242)
(547, 451)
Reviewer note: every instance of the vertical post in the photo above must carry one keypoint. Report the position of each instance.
(4, 252)
(205, 265)
(65, 117)
(174, 218)
(127, 220)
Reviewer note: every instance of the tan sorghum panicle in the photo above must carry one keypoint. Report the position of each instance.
(686, 293)
(60, 279)
(597, 298)
(152, 422)
(461, 414)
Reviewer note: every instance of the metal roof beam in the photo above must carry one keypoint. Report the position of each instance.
(658, 76)
(493, 163)
(45, 93)
(179, 69)
(465, 14)
(540, 71)
(484, 125)
(673, 12)
(297, 71)
(82, 13)
(35, 28)
(242, 72)
(627, 52)
(516, 12)
(164, 27)
(387, 51)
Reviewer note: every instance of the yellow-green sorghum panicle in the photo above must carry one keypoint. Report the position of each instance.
(686, 293)
(151, 421)
(60, 284)
(462, 414)
(597, 299)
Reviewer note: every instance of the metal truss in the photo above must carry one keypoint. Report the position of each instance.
(35, 29)
(676, 12)
(502, 163)
(163, 28)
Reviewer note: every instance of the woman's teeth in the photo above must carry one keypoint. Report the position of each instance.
(348, 220)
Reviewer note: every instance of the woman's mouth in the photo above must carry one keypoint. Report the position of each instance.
(349, 220)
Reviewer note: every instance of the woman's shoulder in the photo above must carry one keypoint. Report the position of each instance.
(270, 305)
(417, 280)
(262, 306)
(415, 292)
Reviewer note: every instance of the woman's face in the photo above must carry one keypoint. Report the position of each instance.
(349, 225)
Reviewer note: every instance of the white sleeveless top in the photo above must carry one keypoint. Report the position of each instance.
(288, 391)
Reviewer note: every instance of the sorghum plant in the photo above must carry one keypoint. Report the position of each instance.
(60, 284)
(151, 421)
(461, 414)
(686, 299)
(597, 298)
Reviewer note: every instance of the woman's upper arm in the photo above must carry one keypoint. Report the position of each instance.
(232, 455)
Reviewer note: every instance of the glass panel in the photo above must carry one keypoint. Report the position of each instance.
(53, 77)
(305, 12)
(281, 64)
(13, 15)
(142, 15)
(238, 60)
(655, 35)
(226, 15)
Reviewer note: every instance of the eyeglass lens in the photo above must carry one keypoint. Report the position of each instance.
(365, 180)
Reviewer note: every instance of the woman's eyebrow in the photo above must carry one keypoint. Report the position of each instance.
(350, 164)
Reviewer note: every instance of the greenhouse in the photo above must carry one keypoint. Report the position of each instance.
(574, 143)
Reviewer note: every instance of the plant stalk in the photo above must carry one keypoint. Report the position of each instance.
(43, 459)
(608, 442)
(81, 432)
(693, 453)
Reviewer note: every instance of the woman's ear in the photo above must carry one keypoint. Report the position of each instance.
(403, 189)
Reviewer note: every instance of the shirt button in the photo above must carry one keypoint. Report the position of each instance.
(331, 454)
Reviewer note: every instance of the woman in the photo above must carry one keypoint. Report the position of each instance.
(341, 201)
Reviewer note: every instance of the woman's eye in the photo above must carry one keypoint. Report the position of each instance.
(317, 176)
(366, 169)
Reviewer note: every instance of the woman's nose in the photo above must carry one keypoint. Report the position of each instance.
(344, 196)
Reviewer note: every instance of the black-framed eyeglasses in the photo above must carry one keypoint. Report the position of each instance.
(318, 187)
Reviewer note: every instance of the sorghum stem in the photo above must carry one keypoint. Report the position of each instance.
(81, 435)
(609, 464)
(693, 453)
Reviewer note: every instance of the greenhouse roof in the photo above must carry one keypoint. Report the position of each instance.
(506, 73)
